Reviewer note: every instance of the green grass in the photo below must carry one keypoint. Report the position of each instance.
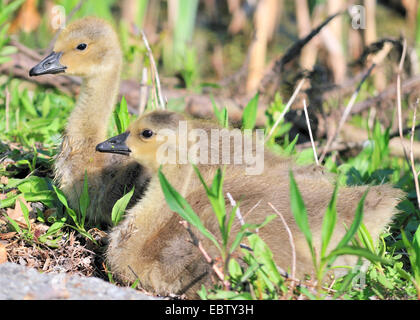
(31, 142)
(30, 133)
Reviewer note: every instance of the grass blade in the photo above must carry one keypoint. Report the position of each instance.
(249, 116)
(84, 201)
(358, 251)
(328, 224)
(179, 205)
(120, 206)
(356, 223)
(299, 212)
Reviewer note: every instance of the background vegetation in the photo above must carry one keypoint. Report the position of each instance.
(213, 57)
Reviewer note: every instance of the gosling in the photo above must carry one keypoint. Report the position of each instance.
(89, 48)
(151, 244)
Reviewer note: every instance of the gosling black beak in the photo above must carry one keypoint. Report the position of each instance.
(51, 64)
(115, 145)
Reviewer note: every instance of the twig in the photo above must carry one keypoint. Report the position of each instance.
(346, 113)
(7, 108)
(399, 108)
(238, 211)
(135, 274)
(252, 209)
(286, 109)
(206, 256)
(310, 131)
(413, 168)
(292, 242)
(154, 71)
(144, 91)
(22, 48)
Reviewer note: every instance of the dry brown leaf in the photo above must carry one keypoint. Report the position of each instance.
(28, 17)
(4, 180)
(17, 213)
(3, 254)
(7, 235)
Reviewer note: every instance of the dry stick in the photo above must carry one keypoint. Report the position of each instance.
(154, 71)
(346, 113)
(399, 108)
(7, 108)
(238, 211)
(194, 238)
(310, 131)
(286, 109)
(209, 260)
(144, 91)
(413, 168)
(292, 243)
(375, 61)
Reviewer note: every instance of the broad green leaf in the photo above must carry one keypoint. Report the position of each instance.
(54, 228)
(348, 279)
(216, 198)
(8, 202)
(61, 197)
(13, 223)
(249, 116)
(358, 217)
(250, 271)
(121, 116)
(416, 245)
(299, 212)
(245, 231)
(264, 255)
(328, 223)
(31, 184)
(413, 253)
(7, 50)
(25, 213)
(231, 218)
(120, 206)
(46, 106)
(28, 104)
(238, 239)
(365, 237)
(357, 251)
(221, 115)
(291, 146)
(47, 197)
(7, 11)
(234, 269)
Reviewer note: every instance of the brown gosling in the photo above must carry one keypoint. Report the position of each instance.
(90, 48)
(151, 244)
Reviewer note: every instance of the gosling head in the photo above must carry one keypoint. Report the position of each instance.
(149, 140)
(86, 47)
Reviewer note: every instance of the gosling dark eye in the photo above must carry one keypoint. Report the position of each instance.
(81, 46)
(147, 133)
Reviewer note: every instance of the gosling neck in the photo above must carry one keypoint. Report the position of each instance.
(90, 117)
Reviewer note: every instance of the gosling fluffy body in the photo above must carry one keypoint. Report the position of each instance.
(99, 64)
(151, 244)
